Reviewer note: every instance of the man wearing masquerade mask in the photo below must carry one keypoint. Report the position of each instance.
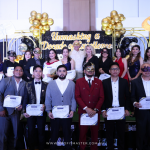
(89, 96)
(33, 62)
(78, 56)
(140, 87)
(116, 93)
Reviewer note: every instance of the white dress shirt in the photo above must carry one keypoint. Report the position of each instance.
(146, 85)
(78, 57)
(115, 93)
(62, 84)
(38, 91)
(17, 84)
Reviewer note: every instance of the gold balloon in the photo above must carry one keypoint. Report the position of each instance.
(108, 31)
(33, 13)
(105, 22)
(45, 15)
(43, 22)
(117, 34)
(119, 25)
(43, 31)
(112, 21)
(127, 57)
(110, 25)
(31, 28)
(50, 21)
(103, 28)
(113, 13)
(109, 18)
(40, 27)
(114, 26)
(122, 18)
(31, 21)
(36, 32)
(38, 16)
(30, 18)
(36, 23)
(116, 18)
(120, 15)
(33, 17)
(46, 27)
(123, 31)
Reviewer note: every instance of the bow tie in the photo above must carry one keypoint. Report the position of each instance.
(37, 82)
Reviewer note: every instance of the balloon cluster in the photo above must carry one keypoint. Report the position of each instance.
(39, 21)
(114, 22)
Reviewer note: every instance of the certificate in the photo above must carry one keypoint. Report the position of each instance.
(71, 74)
(1, 76)
(10, 71)
(31, 69)
(145, 102)
(116, 113)
(12, 101)
(104, 76)
(86, 120)
(34, 109)
(49, 70)
(60, 111)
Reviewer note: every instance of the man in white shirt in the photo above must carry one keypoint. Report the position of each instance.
(59, 94)
(78, 56)
(140, 88)
(116, 93)
(35, 94)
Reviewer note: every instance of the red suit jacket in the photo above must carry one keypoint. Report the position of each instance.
(91, 97)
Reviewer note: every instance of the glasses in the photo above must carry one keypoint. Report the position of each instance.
(114, 69)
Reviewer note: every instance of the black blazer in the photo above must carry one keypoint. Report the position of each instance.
(31, 62)
(30, 96)
(124, 98)
(95, 61)
(23, 63)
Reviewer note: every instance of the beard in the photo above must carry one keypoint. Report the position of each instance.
(62, 77)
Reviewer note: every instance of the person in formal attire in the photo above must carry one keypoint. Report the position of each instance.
(78, 56)
(122, 63)
(116, 91)
(147, 56)
(51, 61)
(35, 94)
(66, 60)
(140, 87)
(27, 56)
(90, 57)
(10, 62)
(10, 116)
(33, 62)
(89, 95)
(104, 61)
(135, 62)
(60, 92)
(1, 64)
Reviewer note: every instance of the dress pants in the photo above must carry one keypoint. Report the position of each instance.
(31, 122)
(65, 123)
(142, 129)
(94, 135)
(120, 126)
(6, 125)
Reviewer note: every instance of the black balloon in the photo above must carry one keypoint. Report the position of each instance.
(135, 40)
(30, 44)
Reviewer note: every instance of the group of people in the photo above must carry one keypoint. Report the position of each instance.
(92, 95)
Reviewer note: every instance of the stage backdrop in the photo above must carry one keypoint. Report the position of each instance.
(59, 39)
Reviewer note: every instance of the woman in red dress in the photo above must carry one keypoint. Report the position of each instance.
(122, 64)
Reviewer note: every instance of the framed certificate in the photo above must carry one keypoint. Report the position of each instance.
(34, 109)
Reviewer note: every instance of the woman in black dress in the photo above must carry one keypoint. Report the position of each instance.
(10, 62)
(90, 57)
(104, 61)
(27, 56)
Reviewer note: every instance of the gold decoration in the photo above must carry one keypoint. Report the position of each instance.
(116, 18)
(113, 13)
(110, 25)
(43, 22)
(127, 57)
(40, 27)
(31, 21)
(33, 13)
(117, 34)
(108, 31)
(36, 32)
(36, 23)
(105, 22)
(46, 27)
(38, 16)
(45, 15)
(43, 31)
(50, 21)
(103, 28)
(112, 21)
(119, 25)
(145, 24)
(31, 28)
(123, 31)
(122, 18)
(33, 17)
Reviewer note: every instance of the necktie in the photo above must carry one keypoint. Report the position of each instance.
(37, 82)
(89, 82)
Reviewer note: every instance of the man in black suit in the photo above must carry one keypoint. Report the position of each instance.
(116, 93)
(33, 62)
(140, 87)
(35, 94)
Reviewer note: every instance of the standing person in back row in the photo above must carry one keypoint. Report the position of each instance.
(89, 95)
(78, 56)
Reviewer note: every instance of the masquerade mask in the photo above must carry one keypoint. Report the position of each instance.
(11, 53)
(76, 43)
(37, 51)
(90, 68)
(146, 69)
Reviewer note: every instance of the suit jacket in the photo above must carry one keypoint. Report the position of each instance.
(55, 98)
(31, 62)
(91, 97)
(30, 95)
(124, 98)
(8, 87)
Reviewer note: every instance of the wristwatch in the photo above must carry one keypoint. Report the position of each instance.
(95, 109)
